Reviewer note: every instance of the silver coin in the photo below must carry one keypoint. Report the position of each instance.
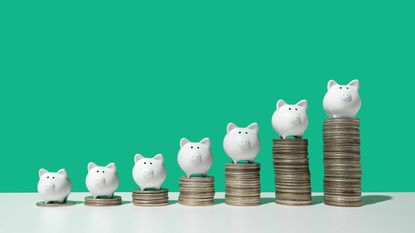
(55, 204)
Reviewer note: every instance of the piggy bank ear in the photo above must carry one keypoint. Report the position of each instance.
(91, 165)
(303, 103)
(111, 166)
(62, 172)
(253, 126)
(183, 142)
(280, 103)
(331, 84)
(354, 83)
(159, 157)
(42, 171)
(138, 157)
(205, 141)
(230, 127)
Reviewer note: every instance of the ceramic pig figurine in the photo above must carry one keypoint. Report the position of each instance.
(342, 100)
(54, 186)
(290, 120)
(102, 181)
(195, 157)
(149, 172)
(242, 143)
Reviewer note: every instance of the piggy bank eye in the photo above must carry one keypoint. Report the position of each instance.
(191, 147)
(347, 88)
(289, 108)
(97, 170)
(53, 177)
(246, 132)
(103, 171)
(340, 87)
(197, 147)
(296, 109)
(151, 163)
(145, 162)
(239, 132)
(47, 177)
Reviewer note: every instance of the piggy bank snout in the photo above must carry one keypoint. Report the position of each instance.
(196, 157)
(49, 186)
(346, 96)
(295, 119)
(244, 142)
(100, 181)
(148, 173)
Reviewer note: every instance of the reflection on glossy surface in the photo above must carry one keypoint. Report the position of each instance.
(54, 219)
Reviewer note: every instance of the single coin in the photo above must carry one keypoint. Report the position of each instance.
(55, 204)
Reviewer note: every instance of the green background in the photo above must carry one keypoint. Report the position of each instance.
(102, 80)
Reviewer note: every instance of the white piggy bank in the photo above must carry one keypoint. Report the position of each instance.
(290, 120)
(54, 187)
(149, 172)
(242, 143)
(342, 100)
(102, 181)
(195, 157)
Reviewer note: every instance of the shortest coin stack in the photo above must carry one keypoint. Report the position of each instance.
(242, 184)
(151, 197)
(292, 173)
(55, 204)
(102, 201)
(197, 191)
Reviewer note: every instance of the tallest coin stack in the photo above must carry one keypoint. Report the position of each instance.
(342, 169)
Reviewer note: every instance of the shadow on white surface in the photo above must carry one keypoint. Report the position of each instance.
(366, 199)
(373, 199)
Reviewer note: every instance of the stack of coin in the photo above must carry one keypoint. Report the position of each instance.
(151, 197)
(102, 201)
(196, 191)
(342, 170)
(242, 184)
(292, 174)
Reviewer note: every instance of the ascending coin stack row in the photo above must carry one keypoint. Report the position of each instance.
(292, 174)
(197, 191)
(342, 169)
(342, 178)
(242, 184)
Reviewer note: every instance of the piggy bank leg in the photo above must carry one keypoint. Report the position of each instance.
(188, 175)
(235, 162)
(111, 195)
(158, 187)
(204, 175)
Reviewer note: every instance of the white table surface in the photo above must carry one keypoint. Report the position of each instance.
(381, 212)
